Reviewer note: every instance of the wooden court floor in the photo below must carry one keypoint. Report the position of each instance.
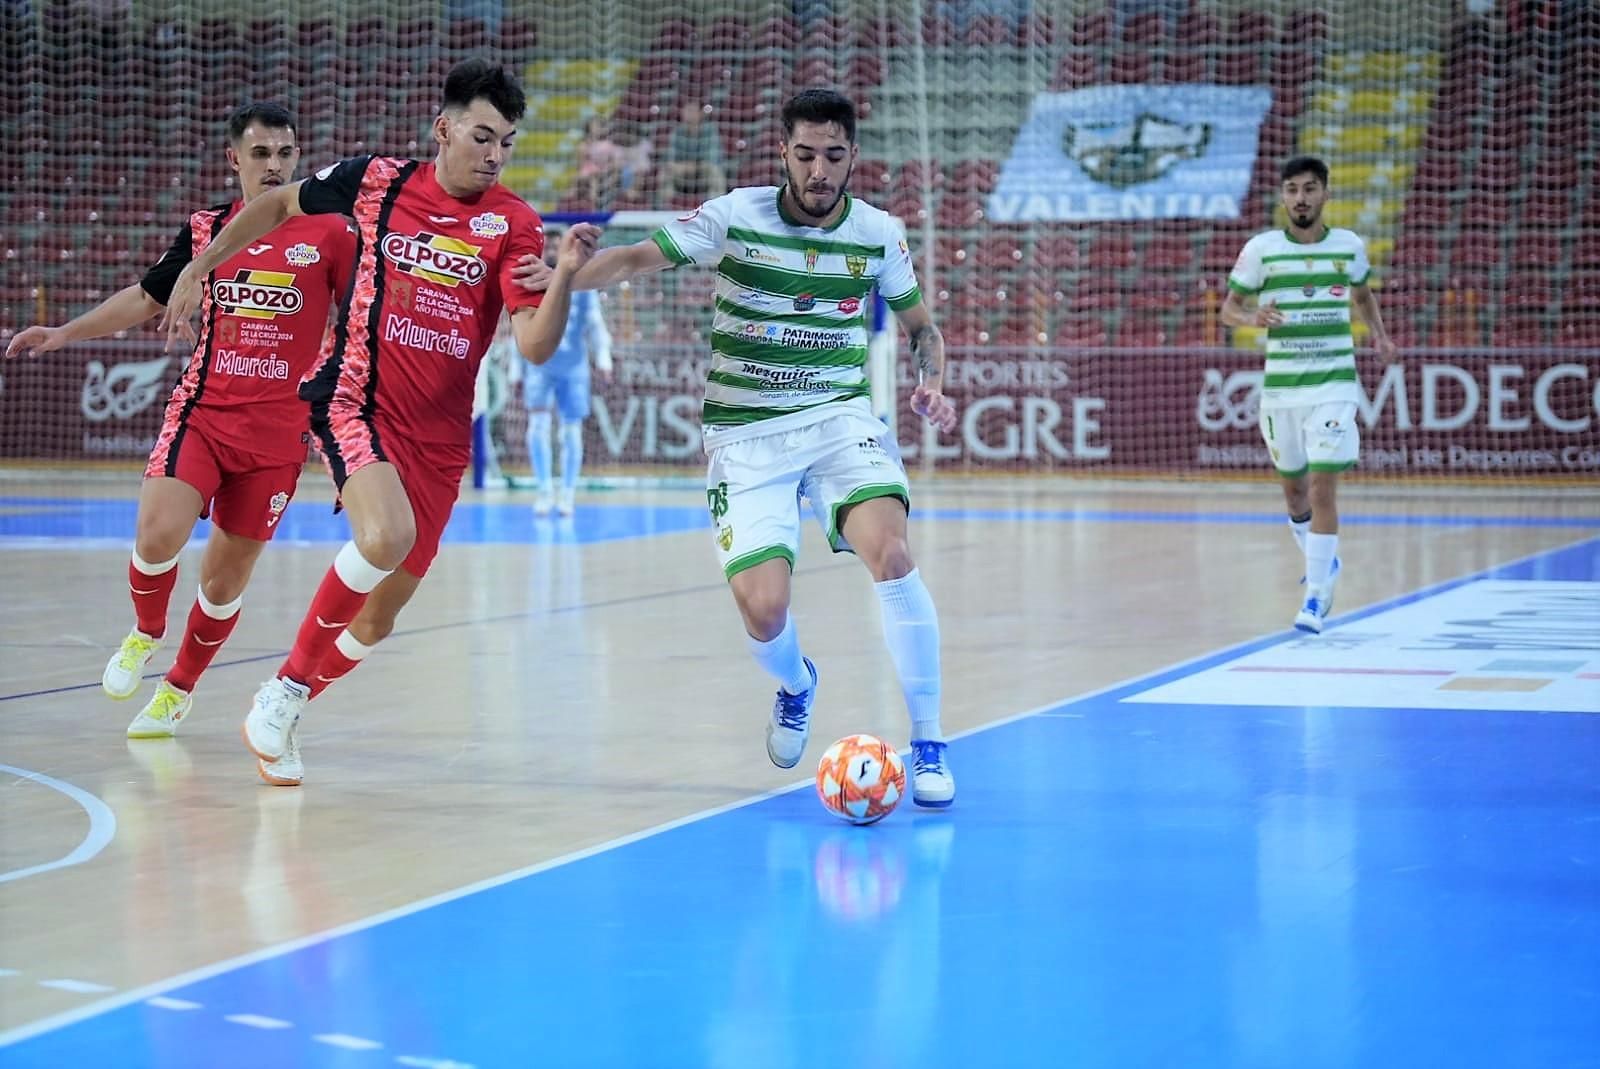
(546, 692)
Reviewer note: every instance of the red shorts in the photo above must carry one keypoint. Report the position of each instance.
(350, 443)
(243, 494)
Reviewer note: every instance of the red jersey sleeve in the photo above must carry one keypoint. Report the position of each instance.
(526, 239)
(333, 190)
(342, 261)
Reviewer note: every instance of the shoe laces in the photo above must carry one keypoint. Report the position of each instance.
(166, 705)
(927, 756)
(134, 652)
(791, 711)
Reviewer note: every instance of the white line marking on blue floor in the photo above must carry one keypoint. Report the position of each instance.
(336, 1039)
(162, 1002)
(430, 1063)
(251, 1020)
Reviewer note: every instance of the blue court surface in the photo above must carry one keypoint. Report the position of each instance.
(1159, 875)
(43, 520)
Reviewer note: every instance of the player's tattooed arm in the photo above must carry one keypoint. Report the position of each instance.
(927, 353)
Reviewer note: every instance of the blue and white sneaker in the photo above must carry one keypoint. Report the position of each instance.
(790, 725)
(932, 785)
(1313, 612)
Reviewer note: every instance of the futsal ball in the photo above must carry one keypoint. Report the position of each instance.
(861, 779)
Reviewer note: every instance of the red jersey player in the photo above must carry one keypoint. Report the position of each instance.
(234, 437)
(391, 401)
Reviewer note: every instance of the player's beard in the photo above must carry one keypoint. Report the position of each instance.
(1307, 219)
(800, 194)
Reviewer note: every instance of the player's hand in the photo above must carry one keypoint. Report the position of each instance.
(181, 307)
(929, 402)
(36, 340)
(532, 274)
(1267, 317)
(577, 246)
(1388, 351)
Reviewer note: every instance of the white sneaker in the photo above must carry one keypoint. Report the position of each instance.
(543, 502)
(125, 671)
(272, 718)
(159, 718)
(790, 724)
(567, 501)
(1312, 613)
(286, 771)
(932, 785)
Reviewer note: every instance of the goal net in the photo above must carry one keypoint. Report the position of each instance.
(1076, 179)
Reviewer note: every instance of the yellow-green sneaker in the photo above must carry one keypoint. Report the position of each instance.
(159, 719)
(125, 670)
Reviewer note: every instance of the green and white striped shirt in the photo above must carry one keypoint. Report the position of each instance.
(1311, 356)
(789, 337)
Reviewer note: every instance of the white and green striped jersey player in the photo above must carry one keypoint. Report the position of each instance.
(1311, 355)
(789, 335)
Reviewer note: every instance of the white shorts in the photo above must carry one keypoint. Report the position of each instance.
(754, 486)
(1316, 438)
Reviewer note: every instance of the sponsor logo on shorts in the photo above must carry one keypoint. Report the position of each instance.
(446, 261)
(258, 294)
(717, 501)
(488, 225)
(275, 506)
(232, 362)
(725, 538)
(302, 254)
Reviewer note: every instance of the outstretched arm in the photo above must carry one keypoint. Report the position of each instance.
(126, 308)
(538, 330)
(256, 219)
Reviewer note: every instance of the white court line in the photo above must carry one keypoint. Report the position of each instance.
(251, 1020)
(102, 826)
(344, 1042)
(206, 972)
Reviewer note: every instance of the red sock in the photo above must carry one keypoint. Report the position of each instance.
(332, 608)
(151, 594)
(203, 636)
(334, 666)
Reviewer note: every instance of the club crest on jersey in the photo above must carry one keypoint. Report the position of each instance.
(258, 294)
(275, 506)
(447, 261)
(488, 225)
(805, 302)
(856, 265)
(302, 255)
(811, 259)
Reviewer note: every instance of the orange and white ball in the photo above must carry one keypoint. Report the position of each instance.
(861, 779)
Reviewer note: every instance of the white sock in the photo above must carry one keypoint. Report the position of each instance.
(571, 452)
(1320, 549)
(911, 629)
(539, 447)
(1300, 528)
(146, 568)
(781, 658)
